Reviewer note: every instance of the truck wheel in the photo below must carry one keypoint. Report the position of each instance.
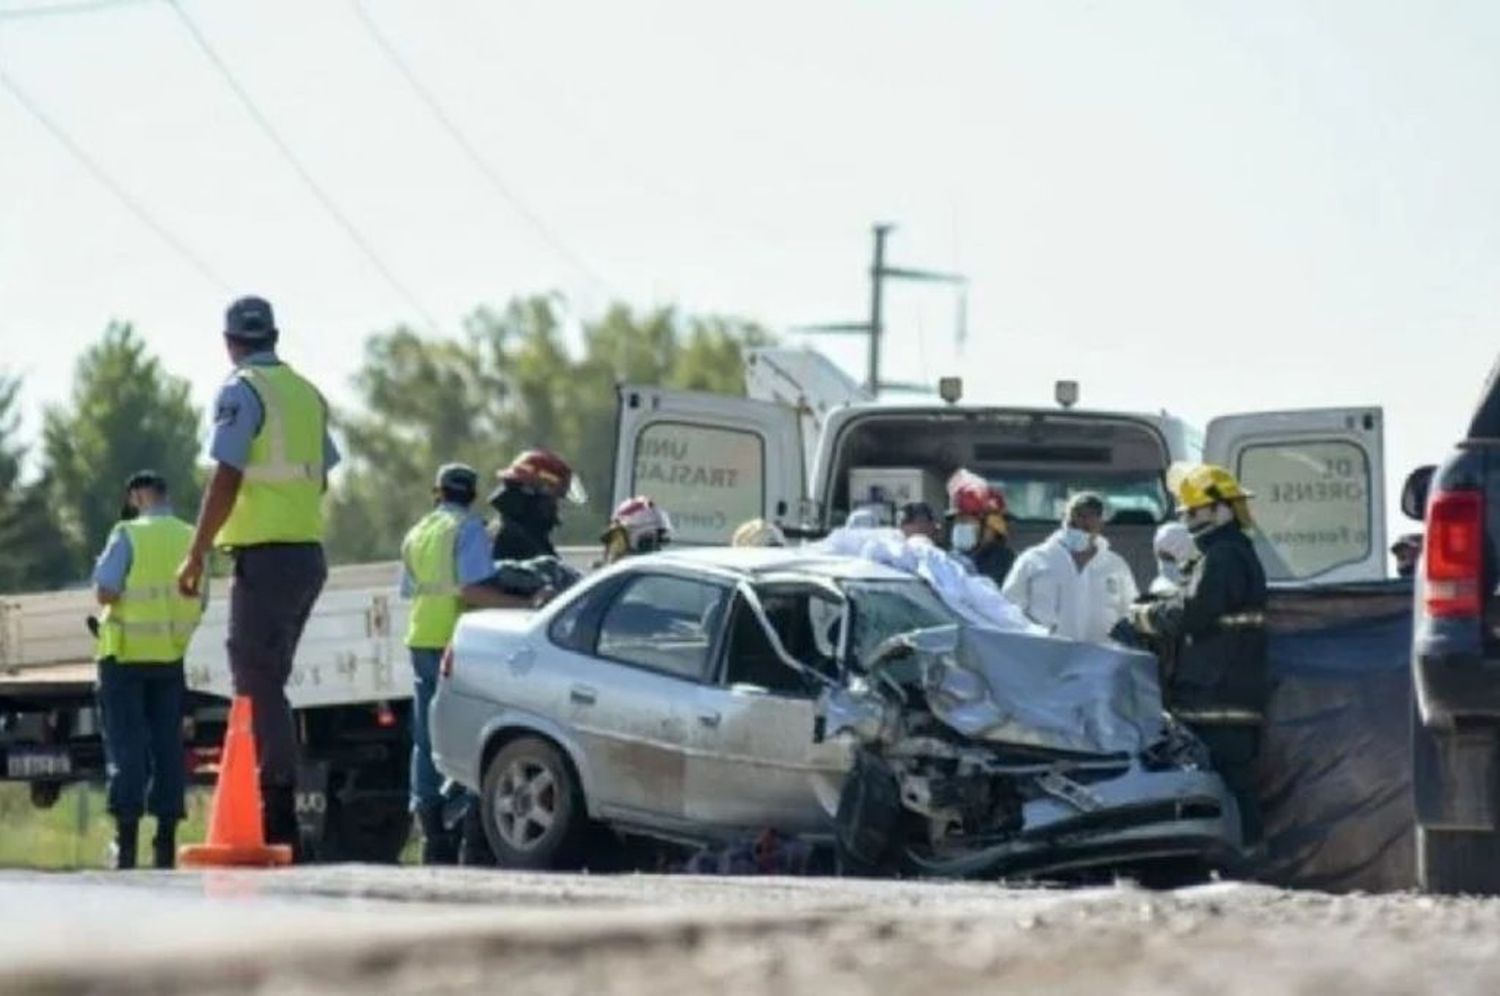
(370, 829)
(532, 807)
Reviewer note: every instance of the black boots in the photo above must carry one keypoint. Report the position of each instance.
(164, 845)
(126, 835)
(439, 844)
(279, 809)
(474, 848)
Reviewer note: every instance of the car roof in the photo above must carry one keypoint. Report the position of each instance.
(756, 561)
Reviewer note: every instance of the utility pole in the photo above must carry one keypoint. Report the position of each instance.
(874, 328)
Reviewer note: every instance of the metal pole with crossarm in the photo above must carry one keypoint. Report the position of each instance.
(874, 329)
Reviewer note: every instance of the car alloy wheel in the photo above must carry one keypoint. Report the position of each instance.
(526, 803)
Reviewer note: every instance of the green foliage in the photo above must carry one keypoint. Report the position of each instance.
(77, 831)
(515, 380)
(126, 414)
(33, 554)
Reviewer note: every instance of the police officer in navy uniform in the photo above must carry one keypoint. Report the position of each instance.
(143, 634)
(272, 454)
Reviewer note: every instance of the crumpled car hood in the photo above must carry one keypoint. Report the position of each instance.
(1039, 691)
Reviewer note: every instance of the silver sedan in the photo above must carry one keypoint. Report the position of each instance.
(656, 697)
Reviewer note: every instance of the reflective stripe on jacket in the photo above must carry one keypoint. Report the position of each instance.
(281, 497)
(151, 623)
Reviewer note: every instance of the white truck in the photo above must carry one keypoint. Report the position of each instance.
(804, 448)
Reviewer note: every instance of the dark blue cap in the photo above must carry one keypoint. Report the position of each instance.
(915, 511)
(250, 319)
(147, 479)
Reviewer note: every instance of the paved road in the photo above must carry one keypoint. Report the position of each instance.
(364, 929)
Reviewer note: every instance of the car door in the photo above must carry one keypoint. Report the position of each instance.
(712, 461)
(1319, 483)
(753, 762)
(630, 701)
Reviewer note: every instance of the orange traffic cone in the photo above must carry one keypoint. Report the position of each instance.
(236, 835)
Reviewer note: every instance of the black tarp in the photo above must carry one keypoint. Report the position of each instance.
(1335, 774)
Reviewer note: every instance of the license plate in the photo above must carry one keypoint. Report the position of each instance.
(38, 764)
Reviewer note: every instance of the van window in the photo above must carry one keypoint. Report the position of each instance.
(1140, 498)
(1312, 504)
(708, 479)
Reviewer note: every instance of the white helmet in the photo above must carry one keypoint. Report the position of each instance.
(646, 524)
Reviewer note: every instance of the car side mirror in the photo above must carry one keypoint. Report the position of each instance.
(1414, 492)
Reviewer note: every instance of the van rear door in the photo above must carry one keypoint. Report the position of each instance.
(711, 460)
(1319, 482)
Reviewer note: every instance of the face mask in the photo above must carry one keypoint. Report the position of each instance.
(1208, 518)
(1170, 570)
(965, 536)
(1075, 540)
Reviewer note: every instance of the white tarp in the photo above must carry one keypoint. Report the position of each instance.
(975, 598)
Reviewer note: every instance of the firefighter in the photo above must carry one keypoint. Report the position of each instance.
(143, 634)
(977, 531)
(638, 526)
(531, 487)
(1219, 684)
(264, 504)
(445, 560)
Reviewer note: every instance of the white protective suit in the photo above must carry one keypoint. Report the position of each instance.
(974, 598)
(1074, 604)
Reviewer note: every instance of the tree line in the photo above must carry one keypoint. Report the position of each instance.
(513, 379)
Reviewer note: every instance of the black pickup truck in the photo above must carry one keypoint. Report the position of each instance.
(1456, 660)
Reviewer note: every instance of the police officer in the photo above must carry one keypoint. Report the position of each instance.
(531, 486)
(142, 636)
(1219, 684)
(272, 454)
(445, 558)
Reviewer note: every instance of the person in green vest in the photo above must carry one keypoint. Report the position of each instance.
(264, 504)
(143, 634)
(445, 562)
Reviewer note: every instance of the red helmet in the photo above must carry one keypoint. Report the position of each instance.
(640, 518)
(545, 472)
(972, 496)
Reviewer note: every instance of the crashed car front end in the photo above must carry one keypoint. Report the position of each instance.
(989, 753)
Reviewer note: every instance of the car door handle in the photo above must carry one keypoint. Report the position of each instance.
(709, 717)
(583, 695)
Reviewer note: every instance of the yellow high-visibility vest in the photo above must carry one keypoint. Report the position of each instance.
(151, 623)
(430, 553)
(281, 497)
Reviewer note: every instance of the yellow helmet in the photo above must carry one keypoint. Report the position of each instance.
(1197, 485)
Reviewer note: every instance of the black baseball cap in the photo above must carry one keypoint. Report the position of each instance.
(915, 511)
(458, 478)
(146, 479)
(250, 319)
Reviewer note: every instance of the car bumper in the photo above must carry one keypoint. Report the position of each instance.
(458, 725)
(1456, 686)
(1141, 816)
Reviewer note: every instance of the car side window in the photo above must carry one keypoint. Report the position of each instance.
(664, 623)
(808, 625)
(577, 626)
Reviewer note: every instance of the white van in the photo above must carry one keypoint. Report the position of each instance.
(808, 445)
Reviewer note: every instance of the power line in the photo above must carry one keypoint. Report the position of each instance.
(490, 173)
(302, 172)
(124, 196)
(52, 9)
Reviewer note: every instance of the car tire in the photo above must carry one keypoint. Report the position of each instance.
(532, 807)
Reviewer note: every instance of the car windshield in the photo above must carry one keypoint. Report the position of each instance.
(883, 609)
(1038, 497)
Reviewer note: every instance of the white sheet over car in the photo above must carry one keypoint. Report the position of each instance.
(975, 598)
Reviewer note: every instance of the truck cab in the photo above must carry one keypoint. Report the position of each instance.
(808, 446)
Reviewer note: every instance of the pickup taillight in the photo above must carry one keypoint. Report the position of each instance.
(1453, 554)
(445, 666)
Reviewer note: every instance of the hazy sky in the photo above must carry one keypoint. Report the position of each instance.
(1205, 207)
